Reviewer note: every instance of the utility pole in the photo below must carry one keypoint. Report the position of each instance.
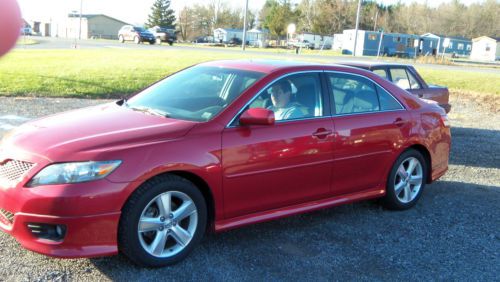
(376, 18)
(243, 44)
(357, 26)
(80, 30)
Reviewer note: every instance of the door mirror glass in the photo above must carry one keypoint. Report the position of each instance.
(257, 116)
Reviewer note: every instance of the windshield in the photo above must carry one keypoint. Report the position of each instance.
(198, 93)
(139, 29)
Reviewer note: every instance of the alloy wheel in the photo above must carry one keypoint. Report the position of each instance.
(167, 224)
(408, 180)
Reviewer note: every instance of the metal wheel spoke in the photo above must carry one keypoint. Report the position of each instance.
(399, 187)
(147, 224)
(401, 172)
(186, 209)
(158, 244)
(411, 166)
(416, 180)
(164, 204)
(407, 193)
(181, 235)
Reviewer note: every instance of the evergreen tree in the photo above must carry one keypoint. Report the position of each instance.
(161, 14)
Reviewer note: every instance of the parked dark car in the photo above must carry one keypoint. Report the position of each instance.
(203, 39)
(235, 41)
(407, 77)
(163, 35)
(135, 33)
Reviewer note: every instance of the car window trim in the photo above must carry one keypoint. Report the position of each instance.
(403, 108)
(408, 73)
(332, 112)
(318, 72)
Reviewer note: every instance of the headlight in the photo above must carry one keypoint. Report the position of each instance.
(73, 173)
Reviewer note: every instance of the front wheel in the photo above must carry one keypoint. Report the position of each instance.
(406, 181)
(162, 222)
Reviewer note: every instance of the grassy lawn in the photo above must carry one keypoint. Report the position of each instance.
(462, 81)
(112, 73)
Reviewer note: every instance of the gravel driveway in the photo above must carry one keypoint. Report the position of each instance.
(452, 234)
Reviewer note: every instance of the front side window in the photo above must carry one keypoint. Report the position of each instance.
(198, 93)
(293, 97)
(353, 94)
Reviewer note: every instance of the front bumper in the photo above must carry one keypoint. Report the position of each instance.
(90, 212)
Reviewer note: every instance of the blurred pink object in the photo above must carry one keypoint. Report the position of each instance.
(10, 24)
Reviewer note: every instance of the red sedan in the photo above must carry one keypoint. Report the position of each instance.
(213, 147)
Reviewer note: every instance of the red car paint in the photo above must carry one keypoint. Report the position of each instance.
(249, 173)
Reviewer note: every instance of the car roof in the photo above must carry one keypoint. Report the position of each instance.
(269, 66)
(371, 64)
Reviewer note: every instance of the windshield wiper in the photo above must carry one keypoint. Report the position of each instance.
(150, 111)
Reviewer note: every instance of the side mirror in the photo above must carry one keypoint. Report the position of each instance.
(257, 116)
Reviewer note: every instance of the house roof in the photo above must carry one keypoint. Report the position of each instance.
(89, 16)
(486, 37)
(432, 35)
(230, 29)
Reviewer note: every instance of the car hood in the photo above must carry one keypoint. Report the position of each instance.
(92, 131)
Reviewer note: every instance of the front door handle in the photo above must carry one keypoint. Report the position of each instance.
(322, 133)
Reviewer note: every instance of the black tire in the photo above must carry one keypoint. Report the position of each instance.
(392, 199)
(152, 42)
(129, 242)
(170, 43)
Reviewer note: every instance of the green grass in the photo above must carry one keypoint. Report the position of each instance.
(112, 73)
(463, 81)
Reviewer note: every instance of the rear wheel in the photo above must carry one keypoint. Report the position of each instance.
(162, 222)
(406, 181)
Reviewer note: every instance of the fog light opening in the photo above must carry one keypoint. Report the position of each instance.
(52, 232)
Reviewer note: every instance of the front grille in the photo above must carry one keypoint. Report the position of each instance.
(6, 217)
(13, 170)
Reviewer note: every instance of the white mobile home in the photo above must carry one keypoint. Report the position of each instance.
(485, 48)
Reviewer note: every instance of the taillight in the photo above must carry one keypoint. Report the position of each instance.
(445, 120)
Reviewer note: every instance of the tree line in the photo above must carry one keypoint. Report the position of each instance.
(327, 17)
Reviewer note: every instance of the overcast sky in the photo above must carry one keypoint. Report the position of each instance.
(136, 11)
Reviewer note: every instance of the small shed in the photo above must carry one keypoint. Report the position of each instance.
(257, 37)
(485, 48)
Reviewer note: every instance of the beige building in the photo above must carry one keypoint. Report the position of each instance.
(93, 26)
(485, 48)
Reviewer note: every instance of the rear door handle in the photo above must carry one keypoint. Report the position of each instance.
(322, 133)
(400, 122)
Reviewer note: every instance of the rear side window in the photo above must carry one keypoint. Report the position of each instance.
(387, 102)
(404, 79)
(400, 78)
(353, 94)
(381, 72)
